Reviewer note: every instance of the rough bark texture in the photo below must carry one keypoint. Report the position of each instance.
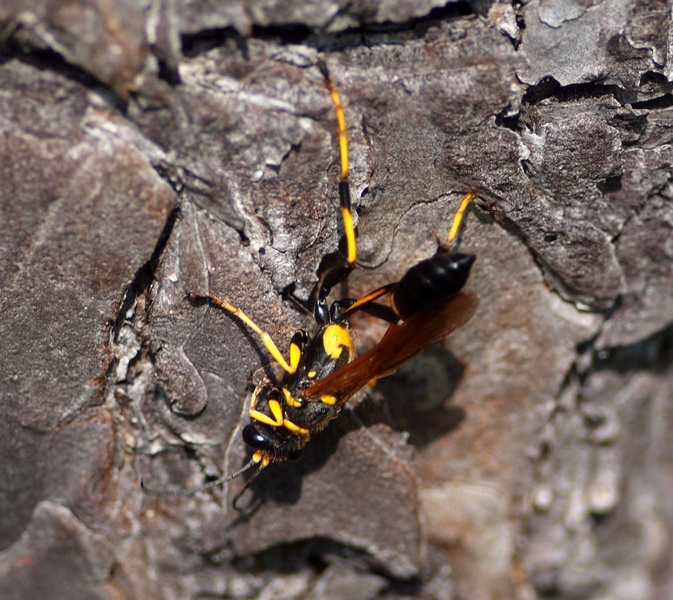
(152, 150)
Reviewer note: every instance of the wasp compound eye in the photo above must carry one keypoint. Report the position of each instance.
(253, 438)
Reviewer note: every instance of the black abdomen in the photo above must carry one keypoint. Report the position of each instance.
(431, 280)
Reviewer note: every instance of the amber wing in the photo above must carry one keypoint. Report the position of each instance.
(400, 344)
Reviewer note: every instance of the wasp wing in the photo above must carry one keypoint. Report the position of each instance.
(397, 347)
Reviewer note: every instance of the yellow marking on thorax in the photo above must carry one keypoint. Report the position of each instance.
(335, 339)
(290, 399)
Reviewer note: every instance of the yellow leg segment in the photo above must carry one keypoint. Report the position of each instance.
(277, 419)
(344, 188)
(347, 217)
(295, 428)
(267, 420)
(290, 367)
(370, 297)
(290, 400)
(458, 219)
(341, 119)
(276, 411)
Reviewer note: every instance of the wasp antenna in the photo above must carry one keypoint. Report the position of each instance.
(252, 478)
(206, 486)
(458, 219)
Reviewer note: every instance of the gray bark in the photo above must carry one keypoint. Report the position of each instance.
(152, 151)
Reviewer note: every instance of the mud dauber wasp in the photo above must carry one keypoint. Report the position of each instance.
(322, 372)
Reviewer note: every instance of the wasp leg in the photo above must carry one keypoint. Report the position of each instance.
(381, 311)
(392, 314)
(275, 420)
(338, 274)
(458, 219)
(296, 343)
(253, 399)
(367, 304)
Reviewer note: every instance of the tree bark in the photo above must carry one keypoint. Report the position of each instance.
(149, 153)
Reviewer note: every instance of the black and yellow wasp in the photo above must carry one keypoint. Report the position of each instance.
(322, 372)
